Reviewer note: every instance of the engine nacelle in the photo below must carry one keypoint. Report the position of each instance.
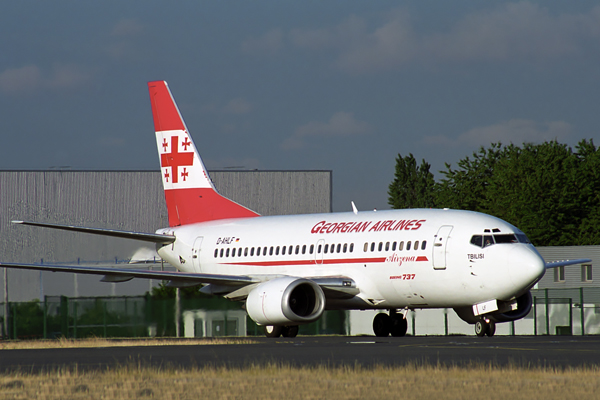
(285, 301)
(507, 310)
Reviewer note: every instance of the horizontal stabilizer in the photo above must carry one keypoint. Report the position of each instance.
(562, 263)
(146, 237)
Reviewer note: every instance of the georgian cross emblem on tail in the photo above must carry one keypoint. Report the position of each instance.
(174, 159)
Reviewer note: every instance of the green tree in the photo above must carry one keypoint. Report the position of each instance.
(413, 185)
(548, 190)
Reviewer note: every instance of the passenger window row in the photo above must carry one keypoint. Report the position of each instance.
(387, 246)
(283, 250)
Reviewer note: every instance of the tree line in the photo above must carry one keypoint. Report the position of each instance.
(549, 190)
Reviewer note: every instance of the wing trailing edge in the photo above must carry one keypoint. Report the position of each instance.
(146, 237)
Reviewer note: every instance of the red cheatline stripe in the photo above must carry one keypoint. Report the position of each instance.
(421, 258)
(310, 262)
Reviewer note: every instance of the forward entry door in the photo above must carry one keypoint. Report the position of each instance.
(440, 245)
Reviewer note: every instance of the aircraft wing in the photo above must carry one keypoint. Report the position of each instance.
(125, 274)
(562, 263)
(146, 237)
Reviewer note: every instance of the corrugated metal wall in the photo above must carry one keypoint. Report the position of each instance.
(127, 200)
(572, 272)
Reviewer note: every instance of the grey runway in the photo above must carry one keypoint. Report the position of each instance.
(528, 351)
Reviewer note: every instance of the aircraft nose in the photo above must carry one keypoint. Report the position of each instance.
(526, 265)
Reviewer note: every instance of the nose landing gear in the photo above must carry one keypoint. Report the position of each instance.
(395, 324)
(485, 326)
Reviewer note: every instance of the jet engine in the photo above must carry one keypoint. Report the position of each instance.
(507, 310)
(285, 301)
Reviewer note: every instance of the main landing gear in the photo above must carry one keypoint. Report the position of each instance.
(285, 331)
(485, 327)
(395, 324)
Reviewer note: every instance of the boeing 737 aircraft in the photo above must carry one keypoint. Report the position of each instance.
(289, 269)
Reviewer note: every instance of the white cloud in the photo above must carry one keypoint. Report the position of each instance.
(21, 80)
(515, 131)
(237, 106)
(269, 43)
(31, 78)
(127, 27)
(124, 39)
(340, 124)
(513, 31)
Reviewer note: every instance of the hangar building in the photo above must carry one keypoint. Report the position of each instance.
(125, 200)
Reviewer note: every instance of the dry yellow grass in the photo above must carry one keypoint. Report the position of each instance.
(99, 342)
(276, 381)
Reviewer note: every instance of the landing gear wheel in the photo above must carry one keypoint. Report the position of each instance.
(399, 325)
(491, 329)
(289, 331)
(382, 325)
(481, 328)
(273, 331)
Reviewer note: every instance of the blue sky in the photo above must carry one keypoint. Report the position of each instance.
(337, 85)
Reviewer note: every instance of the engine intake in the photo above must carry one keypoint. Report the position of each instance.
(285, 301)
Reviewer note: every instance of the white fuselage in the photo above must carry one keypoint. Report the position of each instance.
(415, 258)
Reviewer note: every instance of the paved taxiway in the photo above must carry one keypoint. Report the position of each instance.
(526, 351)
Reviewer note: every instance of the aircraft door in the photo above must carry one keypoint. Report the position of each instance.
(196, 254)
(439, 247)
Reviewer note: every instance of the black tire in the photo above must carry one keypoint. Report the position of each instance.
(481, 328)
(399, 325)
(382, 325)
(273, 331)
(290, 331)
(491, 329)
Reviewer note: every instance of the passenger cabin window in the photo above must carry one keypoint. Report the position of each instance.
(423, 244)
(408, 245)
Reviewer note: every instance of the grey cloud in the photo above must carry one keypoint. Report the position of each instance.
(517, 131)
(340, 124)
(269, 43)
(30, 78)
(510, 31)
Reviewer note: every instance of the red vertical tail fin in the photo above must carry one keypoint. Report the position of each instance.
(191, 197)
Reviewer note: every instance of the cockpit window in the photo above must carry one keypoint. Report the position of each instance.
(477, 240)
(488, 240)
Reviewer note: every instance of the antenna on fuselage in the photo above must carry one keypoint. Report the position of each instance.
(354, 209)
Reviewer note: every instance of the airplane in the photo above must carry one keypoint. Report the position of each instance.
(288, 269)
